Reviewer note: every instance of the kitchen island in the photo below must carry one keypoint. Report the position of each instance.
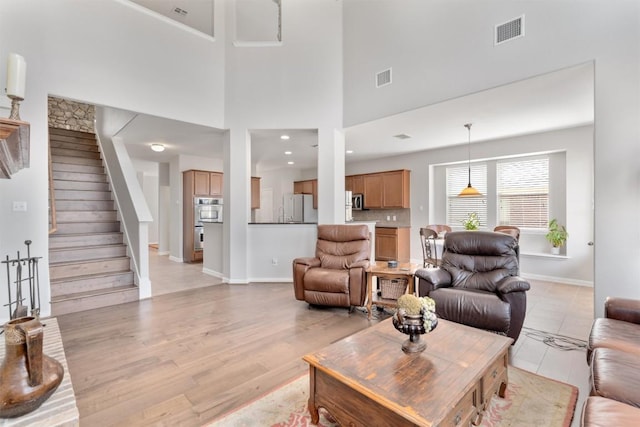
(212, 253)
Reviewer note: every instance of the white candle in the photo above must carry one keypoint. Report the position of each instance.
(16, 75)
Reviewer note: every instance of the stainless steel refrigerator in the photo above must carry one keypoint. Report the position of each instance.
(299, 208)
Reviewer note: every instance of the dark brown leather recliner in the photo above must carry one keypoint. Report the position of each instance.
(336, 276)
(477, 283)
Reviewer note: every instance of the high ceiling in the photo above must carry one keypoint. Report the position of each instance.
(552, 101)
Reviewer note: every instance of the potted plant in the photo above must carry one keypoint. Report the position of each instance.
(557, 236)
(472, 222)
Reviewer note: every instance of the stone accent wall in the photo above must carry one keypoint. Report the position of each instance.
(71, 115)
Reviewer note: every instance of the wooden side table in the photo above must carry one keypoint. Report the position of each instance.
(379, 269)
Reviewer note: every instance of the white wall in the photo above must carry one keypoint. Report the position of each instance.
(120, 58)
(297, 85)
(457, 57)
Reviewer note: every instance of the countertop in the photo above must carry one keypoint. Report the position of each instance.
(283, 223)
(391, 225)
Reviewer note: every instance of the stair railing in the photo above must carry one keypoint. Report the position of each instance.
(53, 223)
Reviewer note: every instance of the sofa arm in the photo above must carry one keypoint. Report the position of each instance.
(300, 267)
(624, 309)
(431, 279)
(513, 284)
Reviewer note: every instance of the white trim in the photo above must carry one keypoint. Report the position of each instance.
(213, 273)
(163, 253)
(562, 280)
(144, 288)
(168, 20)
(175, 259)
(240, 43)
(271, 280)
(235, 281)
(544, 255)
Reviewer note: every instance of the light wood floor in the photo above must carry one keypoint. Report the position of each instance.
(184, 358)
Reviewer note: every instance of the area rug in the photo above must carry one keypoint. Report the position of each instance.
(530, 400)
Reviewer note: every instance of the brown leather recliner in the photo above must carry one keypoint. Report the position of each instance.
(336, 275)
(477, 282)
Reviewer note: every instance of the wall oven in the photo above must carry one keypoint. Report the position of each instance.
(207, 209)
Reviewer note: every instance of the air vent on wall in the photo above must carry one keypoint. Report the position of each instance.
(383, 78)
(180, 11)
(509, 30)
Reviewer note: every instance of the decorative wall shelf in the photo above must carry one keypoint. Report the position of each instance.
(14, 146)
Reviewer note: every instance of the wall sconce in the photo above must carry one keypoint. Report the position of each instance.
(158, 148)
(16, 82)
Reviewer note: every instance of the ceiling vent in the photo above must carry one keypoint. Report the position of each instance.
(509, 30)
(180, 12)
(383, 78)
(402, 136)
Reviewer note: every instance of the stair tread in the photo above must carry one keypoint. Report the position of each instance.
(63, 263)
(96, 292)
(91, 276)
(72, 248)
(101, 233)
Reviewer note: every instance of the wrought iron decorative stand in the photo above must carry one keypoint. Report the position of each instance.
(17, 306)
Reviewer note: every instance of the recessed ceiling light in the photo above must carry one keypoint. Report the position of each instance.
(349, 151)
(288, 153)
(285, 137)
(158, 148)
(289, 163)
(402, 136)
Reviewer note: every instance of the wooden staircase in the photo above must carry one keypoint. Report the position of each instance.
(88, 262)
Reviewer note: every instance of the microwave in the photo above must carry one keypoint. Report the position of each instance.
(357, 202)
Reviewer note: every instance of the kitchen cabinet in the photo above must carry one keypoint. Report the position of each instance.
(393, 243)
(382, 190)
(373, 191)
(354, 183)
(309, 186)
(395, 191)
(196, 183)
(215, 184)
(255, 192)
(206, 183)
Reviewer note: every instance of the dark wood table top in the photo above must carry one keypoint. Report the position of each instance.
(422, 386)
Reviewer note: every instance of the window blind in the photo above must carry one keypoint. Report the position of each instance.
(523, 193)
(459, 207)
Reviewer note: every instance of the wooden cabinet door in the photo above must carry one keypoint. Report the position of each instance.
(358, 184)
(386, 244)
(216, 183)
(314, 191)
(373, 191)
(348, 183)
(307, 187)
(255, 192)
(201, 183)
(297, 187)
(395, 189)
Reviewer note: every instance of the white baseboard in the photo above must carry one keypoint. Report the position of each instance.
(163, 253)
(271, 280)
(144, 288)
(213, 273)
(175, 259)
(563, 280)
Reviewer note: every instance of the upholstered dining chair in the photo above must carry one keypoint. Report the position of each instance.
(508, 229)
(477, 282)
(439, 228)
(429, 249)
(336, 276)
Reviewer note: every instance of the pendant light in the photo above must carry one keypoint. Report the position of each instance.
(469, 191)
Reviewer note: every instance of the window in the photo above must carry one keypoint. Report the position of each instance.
(459, 207)
(523, 193)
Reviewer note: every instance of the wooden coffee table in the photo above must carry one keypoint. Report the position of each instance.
(367, 380)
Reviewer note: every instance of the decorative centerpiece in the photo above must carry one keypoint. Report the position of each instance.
(415, 316)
